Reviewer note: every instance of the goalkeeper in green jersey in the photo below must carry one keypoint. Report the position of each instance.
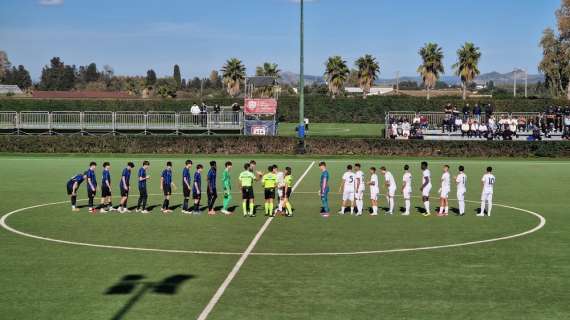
(227, 182)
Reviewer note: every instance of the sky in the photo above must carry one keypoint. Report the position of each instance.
(200, 35)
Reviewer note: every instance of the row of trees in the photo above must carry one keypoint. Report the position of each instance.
(13, 75)
(555, 63)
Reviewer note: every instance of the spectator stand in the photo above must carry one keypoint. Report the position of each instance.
(260, 106)
(524, 126)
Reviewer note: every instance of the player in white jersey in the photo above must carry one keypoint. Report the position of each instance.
(444, 192)
(347, 189)
(488, 184)
(360, 186)
(426, 187)
(374, 190)
(407, 189)
(461, 181)
(391, 186)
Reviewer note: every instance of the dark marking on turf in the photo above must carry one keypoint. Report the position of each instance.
(129, 283)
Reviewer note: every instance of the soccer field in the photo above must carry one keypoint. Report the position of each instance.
(334, 130)
(57, 264)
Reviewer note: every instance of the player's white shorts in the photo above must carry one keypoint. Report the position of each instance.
(487, 196)
(426, 191)
(391, 192)
(407, 193)
(461, 195)
(348, 196)
(280, 193)
(374, 194)
(444, 193)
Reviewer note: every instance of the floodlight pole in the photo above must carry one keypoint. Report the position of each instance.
(301, 148)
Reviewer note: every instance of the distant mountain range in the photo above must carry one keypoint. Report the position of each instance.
(292, 78)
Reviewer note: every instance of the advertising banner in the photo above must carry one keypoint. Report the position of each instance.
(260, 106)
(260, 128)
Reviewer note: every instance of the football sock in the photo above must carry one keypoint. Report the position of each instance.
(391, 205)
(251, 208)
(90, 203)
(461, 207)
(342, 209)
(144, 203)
(271, 209)
(489, 207)
(408, 205)
(167, 204)
(289, 208)
(244, 206)
(266, 206)
(226, 203)
(139, 203)
(164, 204)
(375, 209)
(482, 207)
(446, 209)
(185, 205)
(74, 201)
(426, 206)
(441, 208)
(351, 210)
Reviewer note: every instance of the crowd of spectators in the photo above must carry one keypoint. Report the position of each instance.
(481, 122)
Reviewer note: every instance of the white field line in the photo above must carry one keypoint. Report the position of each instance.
(5, 225)
(210, 306)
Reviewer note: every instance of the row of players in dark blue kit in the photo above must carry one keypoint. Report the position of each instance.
(166, 184)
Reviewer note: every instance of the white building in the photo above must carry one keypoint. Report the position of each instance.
(374, 91)
(10, 89)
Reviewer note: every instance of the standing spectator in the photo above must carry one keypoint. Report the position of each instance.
(559, 116)
(489, 110)
(424, 122)
(204, 115)
(491, 128)
(457, 125)
(195, 111)
(466, 112)
(236, 109)
(474, 129)
(567, 127)
(406, 129)
(477, 112)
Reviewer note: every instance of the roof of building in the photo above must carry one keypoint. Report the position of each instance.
(262, 81)
(81, 94)
(10, 88)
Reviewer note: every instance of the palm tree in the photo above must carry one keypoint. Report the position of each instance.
(432, 65)
(336, 74)
(268, 70)
(467, 66)
(368, 70)
(233, 73)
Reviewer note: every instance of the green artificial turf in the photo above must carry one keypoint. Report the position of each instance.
(334, 130)
(522, 278)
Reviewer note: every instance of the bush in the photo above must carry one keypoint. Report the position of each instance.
(231, 145)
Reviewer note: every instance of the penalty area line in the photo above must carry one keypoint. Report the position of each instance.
(212, 303)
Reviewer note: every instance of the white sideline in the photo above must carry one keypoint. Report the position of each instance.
(210, 306)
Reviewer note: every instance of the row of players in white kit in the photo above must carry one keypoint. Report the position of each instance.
(353, 187)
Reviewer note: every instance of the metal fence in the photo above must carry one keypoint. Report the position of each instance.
(29, 122)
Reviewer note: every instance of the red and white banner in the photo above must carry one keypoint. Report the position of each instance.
(260, 106)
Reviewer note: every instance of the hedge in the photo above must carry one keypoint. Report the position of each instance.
(231, 145)
(318, 108)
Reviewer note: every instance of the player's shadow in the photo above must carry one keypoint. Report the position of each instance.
(454, 210)
(175, 207)
(136, 285)
(421, 210)
(152, 207)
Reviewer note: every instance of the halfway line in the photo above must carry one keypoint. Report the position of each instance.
(240, 262)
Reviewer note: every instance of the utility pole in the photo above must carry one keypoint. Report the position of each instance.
(515, 84)
(301, 148)
(525, 83)
(398, 82)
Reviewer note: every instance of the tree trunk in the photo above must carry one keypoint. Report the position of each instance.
(428, 91)
(464, 91)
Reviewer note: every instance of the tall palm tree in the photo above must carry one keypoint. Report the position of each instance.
(233, 73)
(467, 66)
(336, 74)
(268, 70)
(368, 70)
(432, 65)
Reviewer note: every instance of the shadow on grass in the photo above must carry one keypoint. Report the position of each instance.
(136, 285)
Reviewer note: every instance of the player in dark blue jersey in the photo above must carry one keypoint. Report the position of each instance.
(91, 186)
(72, 187)
(186, 186)
(324, 189)
(143, 193)
(197, 188)
(125, 187)
(212, 191)
(106, 204)
(166, 185)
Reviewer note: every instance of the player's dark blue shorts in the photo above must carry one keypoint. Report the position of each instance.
(69, 188)
(124, 192)
(186, 191)
(91, 193)
(196, 195)
(105, 191)
(142, 191)
(167, 189)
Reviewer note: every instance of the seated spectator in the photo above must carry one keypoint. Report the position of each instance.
(406, 129)
(513, 127)
(483, 130)
(465, 129)
(416, 120)
(521, 124)
(446, 125)
(424, 122)
(491, 128)
(235, 107)
(393, 130)
(567, 127)
(536, 134)
(507, 134)
(457, 125)
(474, 129)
